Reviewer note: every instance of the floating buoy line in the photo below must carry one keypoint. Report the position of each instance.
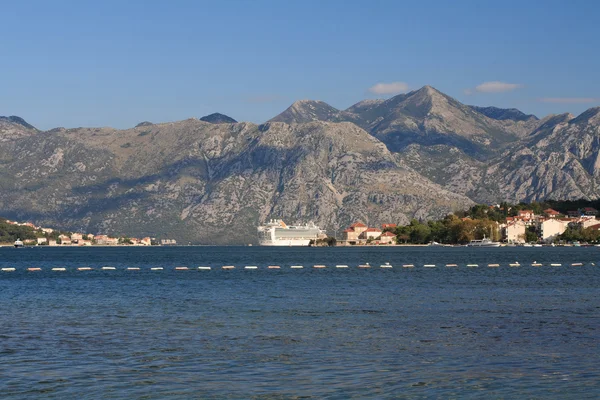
(366, 265)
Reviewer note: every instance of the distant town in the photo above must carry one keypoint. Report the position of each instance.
(31, 235)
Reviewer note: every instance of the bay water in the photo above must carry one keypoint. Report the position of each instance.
(443, 332)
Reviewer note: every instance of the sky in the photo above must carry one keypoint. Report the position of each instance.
(117, 63)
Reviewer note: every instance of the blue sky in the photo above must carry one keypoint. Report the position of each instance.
(116, 63)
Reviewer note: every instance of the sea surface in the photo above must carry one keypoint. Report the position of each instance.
(444, 332)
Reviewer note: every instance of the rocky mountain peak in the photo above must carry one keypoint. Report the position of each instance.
(303, 111)
(590, 116)
(218, 118)
(364, 105)
(13, 119)
(13, 127)
(503, 114)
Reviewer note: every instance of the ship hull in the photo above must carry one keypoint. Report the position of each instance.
(285, 242)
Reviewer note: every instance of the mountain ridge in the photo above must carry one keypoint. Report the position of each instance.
(415, 155)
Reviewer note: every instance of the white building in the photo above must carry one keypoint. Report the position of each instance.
(551, 228)
(514, 232)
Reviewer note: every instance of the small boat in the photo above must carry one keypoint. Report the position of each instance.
(18, 243)
(485, 242)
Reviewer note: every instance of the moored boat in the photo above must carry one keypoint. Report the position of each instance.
(485, 242)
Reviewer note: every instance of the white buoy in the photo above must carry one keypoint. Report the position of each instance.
(341, 266)
(429, 266)
(8, 269)
(576, 264)
(273, 267)
(133, 268)
(451, 265)
(555, 265)
(62, 269)
(364, 265)
(493, 265)
(156, 269)
(408, 266)
(34, 269)
(319, 266)
(108, 268)
(228, 267)
(536, 264)
(472, 265)
(515, 264)
(297, 266)
(202, 268)
(84, 269)
(250, 267)
(386, 265)
(181, 268)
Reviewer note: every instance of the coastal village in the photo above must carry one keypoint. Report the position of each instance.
(524, 227)
(53, 237)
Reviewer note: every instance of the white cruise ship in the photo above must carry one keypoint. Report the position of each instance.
(277, 233)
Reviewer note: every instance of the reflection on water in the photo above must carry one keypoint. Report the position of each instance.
(380, 333)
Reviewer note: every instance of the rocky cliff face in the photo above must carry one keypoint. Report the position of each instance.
(561, 160)
(207, 183)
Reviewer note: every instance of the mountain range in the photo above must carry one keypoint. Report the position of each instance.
(212, 180)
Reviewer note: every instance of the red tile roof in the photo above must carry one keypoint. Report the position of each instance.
(390, 234)
(358, 225)
(550, 211)
(373, 230)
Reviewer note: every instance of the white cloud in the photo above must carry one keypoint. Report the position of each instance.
(569, 100)
(497, 87)
(389, 88)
